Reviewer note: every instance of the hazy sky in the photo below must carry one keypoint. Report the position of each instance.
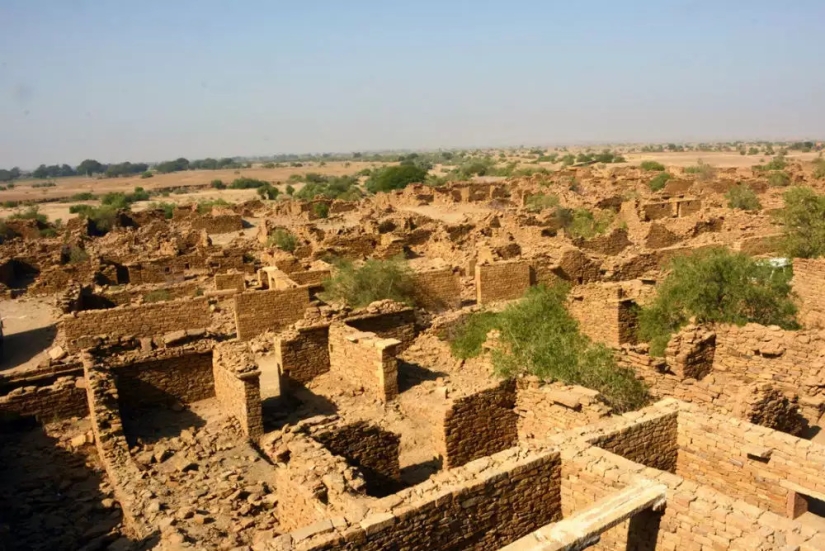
(156, 79)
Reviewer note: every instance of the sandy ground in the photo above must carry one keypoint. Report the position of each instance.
(28, 331)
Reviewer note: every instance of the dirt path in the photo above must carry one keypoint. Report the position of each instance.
(28, 332)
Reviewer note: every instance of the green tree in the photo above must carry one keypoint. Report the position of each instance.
(803, 220)
(717, 286)
(89, 167)
(395, 177)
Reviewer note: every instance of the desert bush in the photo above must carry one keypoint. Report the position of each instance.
(43, 184)
(658, 182)
(819, 169)
(103, 217)
(344, 188)
(582, 223)
(359, 286)
(717, 286)
(146, 175)
(167, 208)
(217, 184)
(395, 177)
(652, 166)
(290, 190)
(703, 171)
(247, 183)
(157, 296)
(803, 220)
(282, 239)
(268, 192)
(205, 207)
(32, 212)
(779, 178)
(742, 197)
(541, 201)
(84, 196)
(77, 255)
(538, 336)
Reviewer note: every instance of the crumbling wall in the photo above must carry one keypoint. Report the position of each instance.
(501, 281)
(546, 409)
(64, 398)
(808, 282)
(652, 443)
(437, 290)
(260, 311)
(217, 223)
(234, 281)
(237, 386)
(489, 503)
(180, 377)
(373, 450)
(479, 425)
(145, 320)
(127, 295)
(396, 324)
(365, 360)
(690, 352)
(303, 353)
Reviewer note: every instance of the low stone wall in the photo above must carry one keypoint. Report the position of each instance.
(365, 360)
(303, 353)
(603, 313)
(373, 450)
(808, 281)
(260, 311)
(501, 281)
(479, 425)
(217, 223)
(130, 294)
(145, 320)
(64, 398)
(399, 324)
(437, 290)
(489, 503)
(181, 377)
(234, 281)
(548, 409)
(238, 387)
(651, 443)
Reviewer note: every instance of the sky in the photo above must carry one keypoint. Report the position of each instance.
(150, 80)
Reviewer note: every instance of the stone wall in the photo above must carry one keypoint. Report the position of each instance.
(234, 281)
(501, 281)
(547, 409)
(373, 450)
(145, 320)
(303, 353)
(603, 313)
(64, 398)
(237, 386)
(652, 443)
(746, 461)
(808, 281)
(218, 223)
(181, 377)
(171, 268)
(479, 425)
(398, 324)
(127, 295)
(260, 311)
(365, 360)
(437, 290)
(482, 506)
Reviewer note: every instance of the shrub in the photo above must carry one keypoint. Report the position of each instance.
(205, 207)
(289, 189)
(247, 183)
(779, 178)
(167, 208)
(658, 182)
(541, 201)
(652, 166)
(818, 173)
(395, 177)
(742, 197)
(31, 213)
(77, 255)
(84, 196)
(268, 192)
(146, 175)
(704, 172)
(538, 336)
(582, 223)
(157, 296)
(374, 280)
(103, 217)
(717, 286)
(43, 184)
(321, 210)
(803, 218)
(282, 239)
(217, 184)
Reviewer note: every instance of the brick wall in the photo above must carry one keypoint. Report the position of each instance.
(808, 282)
(437, 290)
(652, 443)
(479, 425)
(399, 325)
(184, 377)
(145, 320)
(365, 359)
(303, 353)
(501, 281)
(508, 497)
(260, 311)
(240, 396)
(64, 398)
(230, 281)
(371, 449)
